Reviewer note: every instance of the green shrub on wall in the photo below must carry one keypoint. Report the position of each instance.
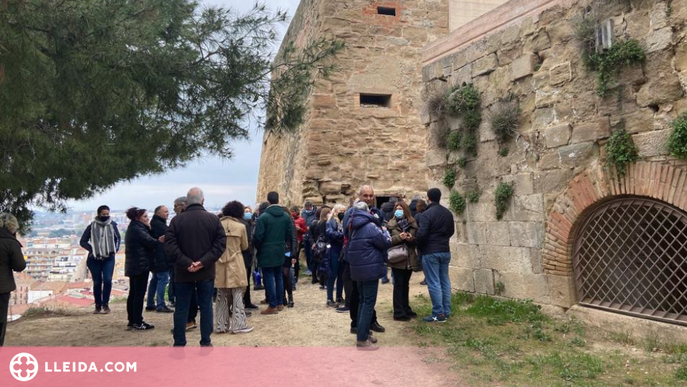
(450, 178)
(473, 196)
(462, 100)
(456, 202)
(608, 63)
(503, 194)
(454, 141)
(621, 151)
(677, 142)
(505, 120)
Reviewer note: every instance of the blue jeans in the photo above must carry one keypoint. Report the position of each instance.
(101, 272)
(184, 290)
(152, 289)
(161, 280)
(335, 274)
(367, 291)
(435, 267)
(274, 285)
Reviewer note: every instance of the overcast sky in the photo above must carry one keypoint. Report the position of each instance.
(221, 180)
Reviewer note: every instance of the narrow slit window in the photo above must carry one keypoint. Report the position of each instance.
(388, 11)
(375, 100)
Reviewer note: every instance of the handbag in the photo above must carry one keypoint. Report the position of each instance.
(398, 254)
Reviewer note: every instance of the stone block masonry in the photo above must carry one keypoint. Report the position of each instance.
(526, 50)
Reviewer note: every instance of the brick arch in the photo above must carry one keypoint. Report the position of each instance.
(658, 180)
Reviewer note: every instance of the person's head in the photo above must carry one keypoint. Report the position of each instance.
(162, 212)
(338, 212)
(367, 194)
(9, 222)
(262, 207)
(103, 211)
(179, 204)
(421, 205)
(248, 213)
(137, 214)
(235, 209)
(434, 195)
(308, 206)
(402, 209)
(273, 198)
(195, 196)
(324, 214)
(361, 205)
(295, 212)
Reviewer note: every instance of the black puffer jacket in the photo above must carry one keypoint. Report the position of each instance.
(158, 228)
(436, 229)
(140, 249)
(11, 258)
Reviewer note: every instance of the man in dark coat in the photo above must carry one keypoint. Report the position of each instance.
(161, 266)
(195, 240)
(436, 229)
(273, 232)
(11, 259)
(309, 215)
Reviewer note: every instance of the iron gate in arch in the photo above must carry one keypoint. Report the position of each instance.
(630, 256)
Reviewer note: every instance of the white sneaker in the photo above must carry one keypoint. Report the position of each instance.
(244, 330)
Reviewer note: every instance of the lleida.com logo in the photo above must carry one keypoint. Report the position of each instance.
(24, 367)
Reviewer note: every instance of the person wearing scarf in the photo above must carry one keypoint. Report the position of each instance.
(403, 229)
(102, 240)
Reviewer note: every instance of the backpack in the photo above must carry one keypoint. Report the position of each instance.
(319, 249)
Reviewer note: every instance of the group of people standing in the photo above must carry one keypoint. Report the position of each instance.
(202, 256)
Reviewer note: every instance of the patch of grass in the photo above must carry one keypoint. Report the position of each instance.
(43, 312)
(499, 288)
(498, 312)
(470, 144)
(503, 152)
(681, 373)
(621, 338)
(569, 366)
(454, 141)
(578, 342)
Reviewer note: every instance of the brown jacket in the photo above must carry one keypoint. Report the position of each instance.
(411, 263)
(230, 269)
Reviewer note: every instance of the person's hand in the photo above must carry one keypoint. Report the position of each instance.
(161, 239)
(195, 266)
(293, 261)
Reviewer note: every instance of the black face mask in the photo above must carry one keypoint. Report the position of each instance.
(103, 218)
(340, 216)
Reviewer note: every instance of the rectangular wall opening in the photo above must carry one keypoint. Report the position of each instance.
(388, 11)
(375, 100)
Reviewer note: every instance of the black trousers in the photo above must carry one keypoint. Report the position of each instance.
(401, 290)
(136, 299)
(348, 285)
(4, 308)
(354, 299)
(246, 294)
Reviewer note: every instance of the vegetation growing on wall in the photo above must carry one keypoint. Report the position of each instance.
(677, 142)
(454, 141)
(608, 63)
(473, 196)
(503, 194)
(462, 162)
(621, 151)
(457, 202)
(505, 120)
(449, 178)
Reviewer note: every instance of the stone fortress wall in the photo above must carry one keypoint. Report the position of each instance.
(363, 124)
(556, 161)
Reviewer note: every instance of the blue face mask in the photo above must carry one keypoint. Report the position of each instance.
(398, 213)
(247, 216)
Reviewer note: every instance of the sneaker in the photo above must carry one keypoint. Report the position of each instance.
(332, 304)
(433, 319)
(191, 325)
(150, 308)
(342, 309)
(251, 307)
(244, 330)
(97, 310)
(372, 339)
(385, 280)
(130, 326)
(142, 327)
(366, 345)
(290, 304)
(377, 328)
(165, 309)
(171, 304)
(106, 309)
(150, 326)
(308, 272)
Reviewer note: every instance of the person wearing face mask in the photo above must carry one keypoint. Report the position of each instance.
(402, 228)
(335, 236)
(102, 240)
(301, 229)
(248, 256)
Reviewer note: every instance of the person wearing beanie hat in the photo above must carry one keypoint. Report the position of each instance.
(436, 229)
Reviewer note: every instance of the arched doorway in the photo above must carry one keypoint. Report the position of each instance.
(630, 255)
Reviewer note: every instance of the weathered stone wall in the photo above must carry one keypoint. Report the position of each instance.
(462, 12)
(342, 144)
(556, 161)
